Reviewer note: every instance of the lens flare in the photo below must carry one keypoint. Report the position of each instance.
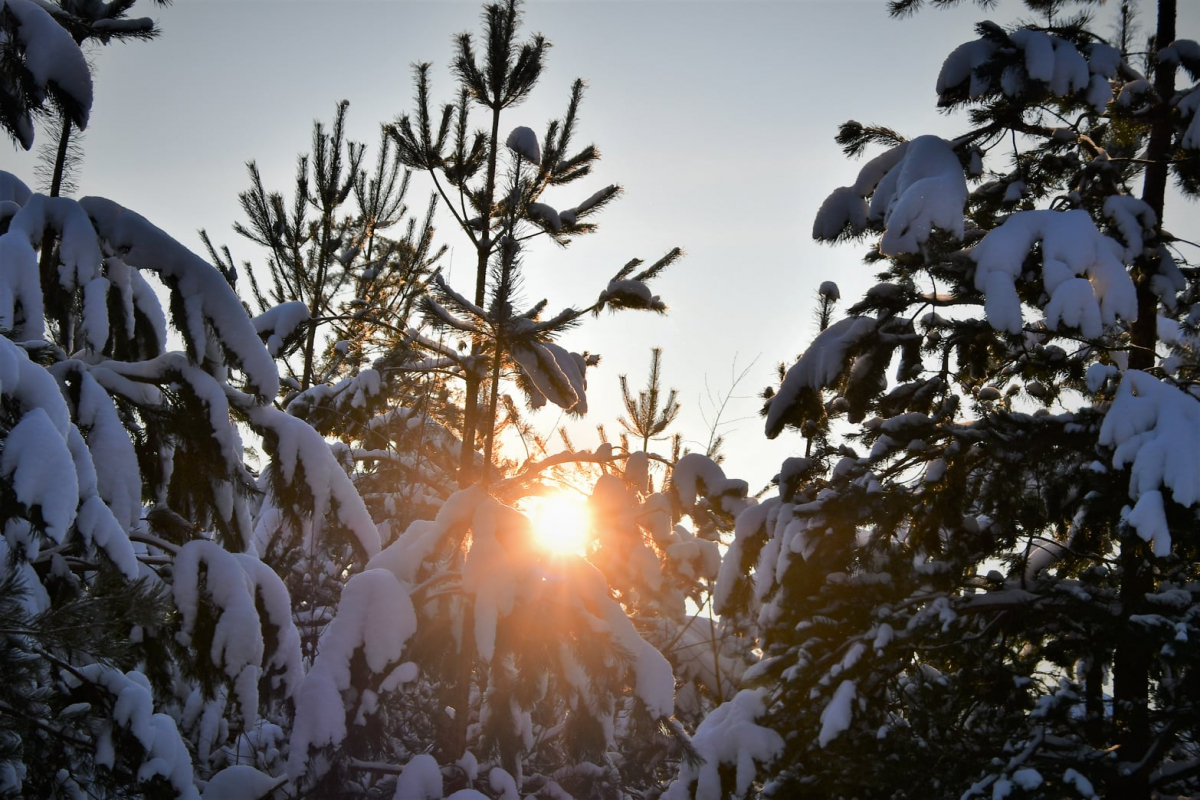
(561, 523)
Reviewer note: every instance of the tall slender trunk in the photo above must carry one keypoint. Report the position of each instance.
(491, 433)
(452, 735)
(60, 158)
(1133, 657)
(317, 301)
(466, 464)
(56, 301)
(452, 724)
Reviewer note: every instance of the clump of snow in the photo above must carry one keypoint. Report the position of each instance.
(376, 617)
(505, 784)
(166, 754)
(729, 735)
(1080, 784)
(630, 293)
(293, 443)
(1134, 219)
(53, 60)
(554, 374)
(835, 719)
(119, 483)
(1103, 59)
(846, 209)
(1189, 105)
(1053, 61)
(1046, 59)
(524, 142)
(823, 361)
(241, 782)
(421, 779)
(914, 187)
(963, 64)
(237, 642)
(36, 462)
(1145, 423)
(746, 527)
(13, 189)
(1027, 778)
(284, 664)
(928, 190)
(207, 299)
(276, 324)
(546, 215)
(696, 475)
(637, 471)
(1071, 247)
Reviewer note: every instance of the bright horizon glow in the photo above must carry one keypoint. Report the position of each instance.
(561, 523)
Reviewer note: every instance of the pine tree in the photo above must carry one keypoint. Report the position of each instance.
(334, 309)
(145, 647)
(991, 576)
(492, 184)
(525, 670)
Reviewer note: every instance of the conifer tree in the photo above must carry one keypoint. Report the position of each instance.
(492, 184)
(499, 664)
(346, 265)
(992, 576)
(146, 648)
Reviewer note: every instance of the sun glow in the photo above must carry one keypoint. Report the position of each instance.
(561, 523)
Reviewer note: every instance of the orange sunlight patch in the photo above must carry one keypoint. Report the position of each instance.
(561, 523)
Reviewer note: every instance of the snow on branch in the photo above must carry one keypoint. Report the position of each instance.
(237, 642)
(207, 390)
(201, 293)
(524, 142)
(1082, 272)
(54, 64)
(1022, 58)
(728, 736)
(166, 754)
(296, 448)
(79, 252)
(554, 374)
(276, 325)
(631, 294)
(375, 617)
(1189, 108)
(914, 187)
(696, 475)
(37, 464)
(818, 368)
(1146, 423)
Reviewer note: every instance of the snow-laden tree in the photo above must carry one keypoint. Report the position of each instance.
(982, 579)
(147, 650)
(494, 183)
(546, 673)
(345, 266)
(149, 643)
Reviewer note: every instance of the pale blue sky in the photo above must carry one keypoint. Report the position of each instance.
(717, 118)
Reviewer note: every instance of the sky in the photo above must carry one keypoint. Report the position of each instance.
(717, 118)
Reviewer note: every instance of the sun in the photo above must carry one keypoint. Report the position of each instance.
(561, 523)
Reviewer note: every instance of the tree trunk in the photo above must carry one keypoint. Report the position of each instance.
(466, 464)
(452, 730)
(60, 158)
(1133, 657)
